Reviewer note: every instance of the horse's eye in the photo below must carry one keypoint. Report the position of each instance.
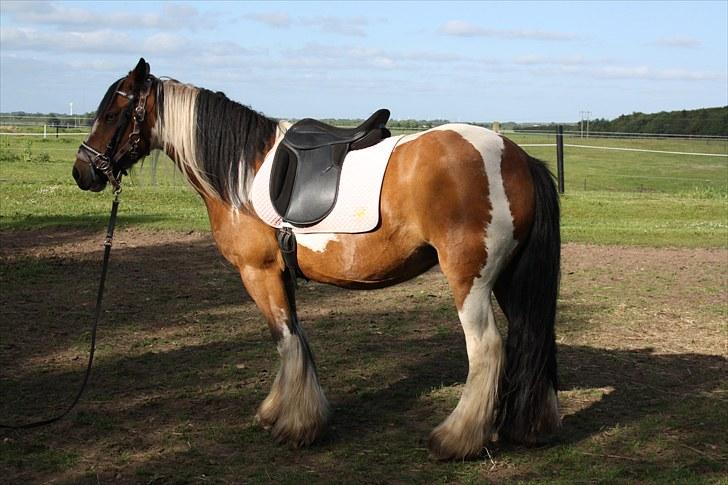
(110, 117)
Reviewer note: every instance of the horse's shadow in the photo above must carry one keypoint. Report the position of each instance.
(622, 386)
(416, 389)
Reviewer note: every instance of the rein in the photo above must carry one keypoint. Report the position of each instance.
(105, 163)
(94, 326)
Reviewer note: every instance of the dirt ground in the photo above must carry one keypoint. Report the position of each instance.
(183, 356)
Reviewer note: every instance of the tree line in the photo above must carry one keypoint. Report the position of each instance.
(705, 121)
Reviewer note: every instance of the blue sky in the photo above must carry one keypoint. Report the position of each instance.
(466, 61)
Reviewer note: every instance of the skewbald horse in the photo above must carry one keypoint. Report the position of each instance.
(457, 195)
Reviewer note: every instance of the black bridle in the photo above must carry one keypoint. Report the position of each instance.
(108, 161)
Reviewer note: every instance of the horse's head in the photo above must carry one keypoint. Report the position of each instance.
(121, 133)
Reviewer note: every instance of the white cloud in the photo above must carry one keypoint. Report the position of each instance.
(160, 45)
(165, 43)
(271, 19)
(678, 41)
(598, 70)
(315, 56)
(536, 60)
(347, 26)
(174, 16)
(460, 28)
(648, 73)
(23, 39)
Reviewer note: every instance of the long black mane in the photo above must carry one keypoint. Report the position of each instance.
(229, 134)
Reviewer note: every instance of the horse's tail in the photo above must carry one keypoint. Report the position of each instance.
(527, 292)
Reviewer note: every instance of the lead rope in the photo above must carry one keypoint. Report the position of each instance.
(97, 315)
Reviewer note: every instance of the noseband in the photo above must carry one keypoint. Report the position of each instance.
(105, 162)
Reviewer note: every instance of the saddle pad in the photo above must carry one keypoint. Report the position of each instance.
(357, 205)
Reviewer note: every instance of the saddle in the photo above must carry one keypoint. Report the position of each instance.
(304, 181)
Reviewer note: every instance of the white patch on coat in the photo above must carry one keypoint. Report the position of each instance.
(456, 127)
(469, 426)
(499, 239)
(316, 242)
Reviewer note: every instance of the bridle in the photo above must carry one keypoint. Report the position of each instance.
(105, 162)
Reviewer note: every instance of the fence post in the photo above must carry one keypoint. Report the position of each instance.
(560, 157)
(45, 131)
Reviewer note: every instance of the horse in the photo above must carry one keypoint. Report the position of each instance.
(457, 195)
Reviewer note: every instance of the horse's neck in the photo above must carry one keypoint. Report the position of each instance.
(169, 143)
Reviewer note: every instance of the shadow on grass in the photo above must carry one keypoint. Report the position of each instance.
(198, 395)
(185, 412)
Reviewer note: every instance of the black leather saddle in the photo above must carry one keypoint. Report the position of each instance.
(304, 181)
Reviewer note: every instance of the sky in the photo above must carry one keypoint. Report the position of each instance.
(461, 61)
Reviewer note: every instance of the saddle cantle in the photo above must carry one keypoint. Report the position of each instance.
(304, 181)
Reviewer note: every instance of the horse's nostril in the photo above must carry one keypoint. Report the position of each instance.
(76, 175)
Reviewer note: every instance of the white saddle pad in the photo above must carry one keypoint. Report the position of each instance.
(357, 204)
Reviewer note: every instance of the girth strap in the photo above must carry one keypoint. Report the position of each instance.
(289, 250)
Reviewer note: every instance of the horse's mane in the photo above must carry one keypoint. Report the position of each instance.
(216, 140)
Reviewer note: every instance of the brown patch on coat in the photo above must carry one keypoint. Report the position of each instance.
(519, 188)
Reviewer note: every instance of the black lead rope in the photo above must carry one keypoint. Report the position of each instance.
(97, 315)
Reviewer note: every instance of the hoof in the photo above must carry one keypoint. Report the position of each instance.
(291, 428)
(543, 430)
(444, 444)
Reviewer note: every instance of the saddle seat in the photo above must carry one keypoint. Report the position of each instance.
(304, 181)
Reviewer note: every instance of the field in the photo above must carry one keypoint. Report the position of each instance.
(184, 357)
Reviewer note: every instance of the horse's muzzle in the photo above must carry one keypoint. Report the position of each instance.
(87, 177)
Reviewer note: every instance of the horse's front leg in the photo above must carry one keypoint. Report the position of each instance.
(296, 410)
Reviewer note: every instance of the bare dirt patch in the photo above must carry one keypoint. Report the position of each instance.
(184, 358)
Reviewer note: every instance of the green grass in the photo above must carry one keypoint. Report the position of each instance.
(611, 197)
(656, 219)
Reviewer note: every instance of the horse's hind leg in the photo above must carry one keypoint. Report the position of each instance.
(296, 409)
(471, 424)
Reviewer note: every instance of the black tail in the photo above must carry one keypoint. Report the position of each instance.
(527, 292)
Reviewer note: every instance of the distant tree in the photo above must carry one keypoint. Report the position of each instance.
(706, 121)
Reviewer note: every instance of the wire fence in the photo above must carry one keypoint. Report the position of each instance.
(628, 162)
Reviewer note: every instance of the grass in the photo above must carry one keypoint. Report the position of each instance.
(184, 360)
(611, 197)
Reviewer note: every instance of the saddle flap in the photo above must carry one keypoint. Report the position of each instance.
(304, 184)
(317, 185)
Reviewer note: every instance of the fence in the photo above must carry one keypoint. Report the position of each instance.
(632, 162)
(626, 162)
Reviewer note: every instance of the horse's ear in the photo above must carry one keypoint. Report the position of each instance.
(140, 72)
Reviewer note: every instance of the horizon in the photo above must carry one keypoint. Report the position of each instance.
(523, 62)
(83, 116)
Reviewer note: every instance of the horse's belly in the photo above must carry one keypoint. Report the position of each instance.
(361, 261)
